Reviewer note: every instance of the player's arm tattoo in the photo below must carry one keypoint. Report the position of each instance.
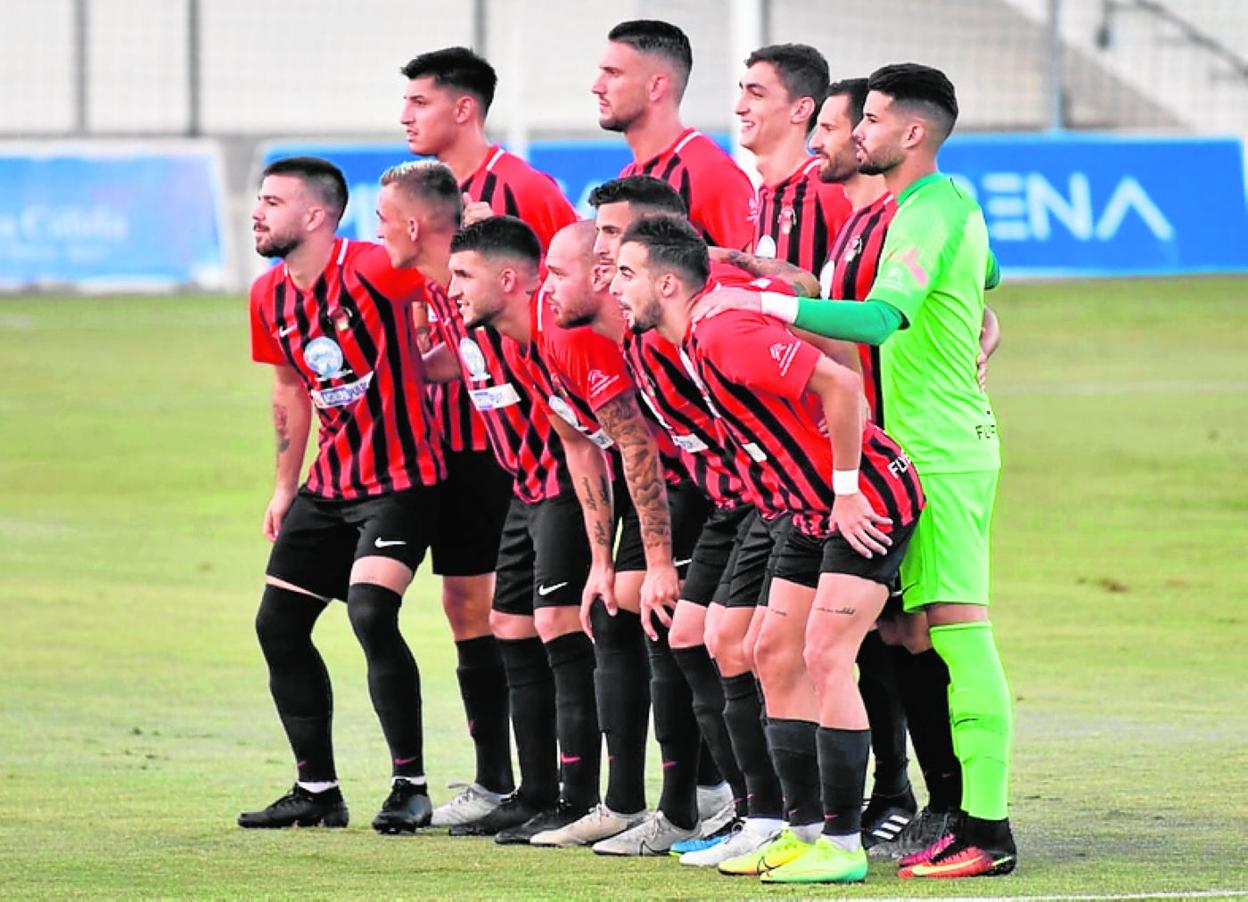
(800, 282)
(281, 427)
(621, 419)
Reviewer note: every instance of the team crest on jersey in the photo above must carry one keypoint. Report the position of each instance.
(474, 360)
(766, 247)
(854, 249)
(787, 217)
(324, 357)
(756, 208)
(341, 318)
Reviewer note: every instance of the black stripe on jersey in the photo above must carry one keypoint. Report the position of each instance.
(355, 437)
(911, 495)
(798, 203)
(680, 380)
(877, 385)
(884, 490)
(848, 287)
(394, 357)
(510, 207)
(777, 204)
(821, 236)
(487, 188)
(332, 460)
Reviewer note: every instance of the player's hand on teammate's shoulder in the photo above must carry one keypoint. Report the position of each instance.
(724, 299)
(275, 513)
(859, 524)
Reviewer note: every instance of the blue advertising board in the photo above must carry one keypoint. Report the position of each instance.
(1056, 205)
(109, 217)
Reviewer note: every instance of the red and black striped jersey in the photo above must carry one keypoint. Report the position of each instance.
(716, 191)
(519, 431)
(797, 219)
(350, 338)
(755, 373)
(514, 188)
(850, 272)
(460, 425)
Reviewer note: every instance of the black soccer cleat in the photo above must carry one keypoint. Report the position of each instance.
(299, 808)
(513, 812)
(886, 816)
(405, 810)
(555, 818)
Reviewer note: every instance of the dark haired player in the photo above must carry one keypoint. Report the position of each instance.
(925, 311)
(641, 78)
(333, 322)
(853, 494)
(796, 214)
(448, 96)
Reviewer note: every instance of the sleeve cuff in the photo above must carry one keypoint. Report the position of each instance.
(780, 306)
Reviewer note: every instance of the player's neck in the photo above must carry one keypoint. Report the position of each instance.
(654, 132)
(864, 190)
(907, 172)
(675, 321)
(609, 321)
(435, 259)
(306, 262)
(775, 164)
(513, 321)
(467, 154)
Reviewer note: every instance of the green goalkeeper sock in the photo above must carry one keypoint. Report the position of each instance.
(981, 715)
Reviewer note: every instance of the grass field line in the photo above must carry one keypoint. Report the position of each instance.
(1130, 387)
(1091, 897)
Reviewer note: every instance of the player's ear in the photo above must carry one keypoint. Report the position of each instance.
(507, 279)
(803, 110)
(313, 218)
(915, 134)
(465, 108)
(659, 84)
(413, 228)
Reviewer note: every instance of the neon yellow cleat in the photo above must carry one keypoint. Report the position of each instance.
(780, 851)
(824, 862)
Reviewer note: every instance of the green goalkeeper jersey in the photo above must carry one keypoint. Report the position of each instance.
(933, 268)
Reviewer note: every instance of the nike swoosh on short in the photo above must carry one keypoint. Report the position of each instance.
(386, 543)
(546, 590)
(687, 560)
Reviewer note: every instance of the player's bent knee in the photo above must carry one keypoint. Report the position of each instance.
(374, 613)
(688, 626)
(551, 623)
(511, 626)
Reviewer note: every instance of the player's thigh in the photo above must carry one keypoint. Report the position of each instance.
(475, 499)
(395, 531)
(314, 550)
(709, 575)
(948, 560)
(561, 555)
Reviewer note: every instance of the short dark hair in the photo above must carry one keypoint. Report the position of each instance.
(457, 67)
(432, 184)
(802, 70)
(919, 86)
(672, 243)
(642, 191)
(855, 89)
(660, 38)
(323, 177)
(499, 236)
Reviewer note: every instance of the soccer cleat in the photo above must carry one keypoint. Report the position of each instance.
(978, 849)
(599, 824)
(299, 808)
(886, 816)
(786, 847)
(716, 808)
(472, 803)
(698, 843)
(653, 836)
(511, 812)
(924, 828)
(750, 836)
(825, 862)
(405, 810)
(551, 819)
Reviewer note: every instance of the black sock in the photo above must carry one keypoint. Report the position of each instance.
(571, 659)
(708, 707)
(843, 756)
(676, 730)
(794, 750)
(881, 695)
(298, 679)
(709, 773)
(531, 690)
(924, 682)
(743, 718)
(623, 683)
(481, 686)
(393, 679)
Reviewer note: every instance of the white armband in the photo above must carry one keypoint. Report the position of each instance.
(781, 306)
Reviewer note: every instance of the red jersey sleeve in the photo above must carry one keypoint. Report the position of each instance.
(593, 365)
(722, 207)
(547, 210)
(264, 346)
(757, 352)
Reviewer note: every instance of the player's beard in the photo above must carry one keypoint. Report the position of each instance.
(618, 121)
(646, 317)
(840, 169)
(879, 163)
(477, 316)
(273, 246)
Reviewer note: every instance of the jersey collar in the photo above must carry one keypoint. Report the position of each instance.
(918, 184)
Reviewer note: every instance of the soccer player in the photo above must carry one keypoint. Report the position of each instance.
(641, 78)
(543, 558)
(796, 213)
(925, 311)
(853, 494)
(333, 322)
(448, 96)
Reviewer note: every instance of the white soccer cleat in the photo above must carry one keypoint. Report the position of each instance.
(716, 808)
(601, 823)
(755, 833)
(653, 836)
(471, 804)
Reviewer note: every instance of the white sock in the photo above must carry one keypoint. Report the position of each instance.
(807, 832)
(415, 781)
(765, 824)
(850, 842)
(318, 786)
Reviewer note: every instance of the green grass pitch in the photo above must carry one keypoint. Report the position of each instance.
(136, 460)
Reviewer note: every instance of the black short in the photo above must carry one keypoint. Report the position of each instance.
(689, 510)
(708, 576)
(805, 557)
(754, 560)
(543, 558)
(476, 493)
(321, 539)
